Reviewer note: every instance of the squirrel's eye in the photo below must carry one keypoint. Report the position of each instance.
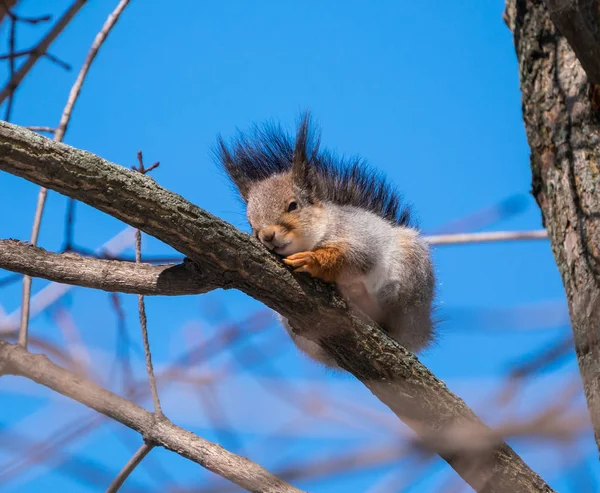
(292, 206)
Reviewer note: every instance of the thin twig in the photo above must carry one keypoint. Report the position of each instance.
(76, 89)
(142, 305)
(485, 217)
(5, 6)
(38, 128)
(60, 132)
(29, 20)
(124, 347)
(58, 61)
(15, 360)
(40, 49)
(11, 64)
(129, 467)
(69, 226)
(461, 238)
(143, 325)
(26, 299)
(15, 54)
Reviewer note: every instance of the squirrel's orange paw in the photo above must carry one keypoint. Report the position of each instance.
(305, 262)
(300, 259)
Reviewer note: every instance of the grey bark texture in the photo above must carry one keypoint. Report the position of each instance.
(579, 22)
(228, 258)
(107, 275)
(563, 131)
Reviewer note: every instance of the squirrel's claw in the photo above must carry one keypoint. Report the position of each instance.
(306, 262)
(300, 259)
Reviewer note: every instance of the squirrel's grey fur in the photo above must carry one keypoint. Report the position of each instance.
(302, 199)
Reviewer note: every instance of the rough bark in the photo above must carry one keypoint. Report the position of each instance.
(108, 275)
(232, 259)
(579, 22)
(564, 135)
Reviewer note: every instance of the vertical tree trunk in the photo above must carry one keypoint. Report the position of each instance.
(563, 130)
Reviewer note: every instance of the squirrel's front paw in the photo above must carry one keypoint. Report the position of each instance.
(305, 262)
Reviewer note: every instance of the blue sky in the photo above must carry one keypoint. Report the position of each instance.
(425, 91)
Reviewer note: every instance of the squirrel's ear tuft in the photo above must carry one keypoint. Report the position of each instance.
(235, 172)
(304, 170)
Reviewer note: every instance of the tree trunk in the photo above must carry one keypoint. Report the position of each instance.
(563, 131)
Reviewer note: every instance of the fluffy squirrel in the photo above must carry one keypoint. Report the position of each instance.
(338, 220)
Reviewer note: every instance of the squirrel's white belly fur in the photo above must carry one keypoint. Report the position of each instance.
(397, 288)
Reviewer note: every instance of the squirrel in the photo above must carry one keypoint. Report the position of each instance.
(338, 220)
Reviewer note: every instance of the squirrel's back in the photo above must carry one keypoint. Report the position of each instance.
(268, 150)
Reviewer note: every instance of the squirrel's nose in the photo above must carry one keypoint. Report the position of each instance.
(267, 235)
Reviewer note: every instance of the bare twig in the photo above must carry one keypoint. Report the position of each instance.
(5, 7)
(26, 297)
(15, 360)
(69, 226)
(11, 65)
(40, 49)
(74, 341)
(38, 128)
(75, 467)
(28, 20)
(124, 346)
(548, 356)
(58, 137)
(129, 467)
(15, 54)
(142, 306)
(460, 238)
(72, 431)
(485, 217)
(76, 89)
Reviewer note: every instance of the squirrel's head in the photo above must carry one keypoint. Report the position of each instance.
(284, 205)
(285, 213)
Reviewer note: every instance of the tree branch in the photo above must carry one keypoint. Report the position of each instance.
(129, 467)
(488, 236)
(579, 22)
(14, 360)
(107, 275)
(5, 7)
(40, 49)
(393, 374)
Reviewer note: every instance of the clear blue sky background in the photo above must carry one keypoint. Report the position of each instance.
(425, 91)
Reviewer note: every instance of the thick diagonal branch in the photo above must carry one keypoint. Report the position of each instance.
(394, 375)
(14, 360)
